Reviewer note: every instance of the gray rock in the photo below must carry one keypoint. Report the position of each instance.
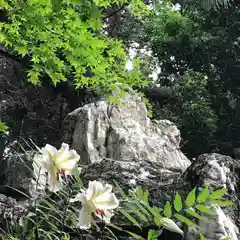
(219, 226)
(161, 183)
(123, 133)
(121, 143)
(217, 171)
(11, 211)
(17, 175)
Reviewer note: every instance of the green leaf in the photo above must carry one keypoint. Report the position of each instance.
(185, 220)
(195, 214)
(2, 37)
(202, 237)
(221, 203)
(4, 4)
(139, 193)
(145, 197)
(203, 196)
(33, 76)
(152, 235)
(3, 127)
(129, 217)
(144, 210)
(178, 202)
(191, 197)
(205, 209)
(167, 210)
(218, 193)
(139, 214)
(22, 50)
(123, 195)
(156, 211)
(157, 221)
(37, 28)
(111, 232)
(135, 235)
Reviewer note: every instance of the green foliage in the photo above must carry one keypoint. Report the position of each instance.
(54, 217)
(178, 203)
(191, 198)
(3, 127)
(194, 103)
(64, 39)
(138, 210)
(167, 210)
(197, 51)
(208, 4)
(153, 235)
(203, 196)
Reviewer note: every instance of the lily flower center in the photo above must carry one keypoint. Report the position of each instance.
(60, 172)
(100, 212)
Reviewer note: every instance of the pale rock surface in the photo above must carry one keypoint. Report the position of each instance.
(124, 133)
(217, 171)
(219, 226)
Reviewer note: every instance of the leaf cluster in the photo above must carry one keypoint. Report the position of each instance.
(195, 207)
(3, 127)
(64, 39)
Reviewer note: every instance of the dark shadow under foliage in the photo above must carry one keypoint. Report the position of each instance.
(35, 112)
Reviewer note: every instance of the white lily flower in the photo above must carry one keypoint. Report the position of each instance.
(96, 199)
(171, 225)
(57, 163)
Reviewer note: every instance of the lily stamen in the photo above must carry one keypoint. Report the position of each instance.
(100, 212)
(60, 172)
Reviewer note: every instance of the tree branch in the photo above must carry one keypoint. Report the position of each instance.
(115, 12)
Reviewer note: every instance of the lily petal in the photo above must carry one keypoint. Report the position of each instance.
(99, 189)
(54, 185)
(49, 151)
(84, 218)
(106, 216)
(106, 201)
(79, 197)
(68, 161)
(64, 148)
(91, 190)
(63, 152)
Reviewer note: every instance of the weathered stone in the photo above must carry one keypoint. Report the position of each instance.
(17, 175)
(124, 133)
(219, 226)
(216, 171)
(11, 211)
(121, 143)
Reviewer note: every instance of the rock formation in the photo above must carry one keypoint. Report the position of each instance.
(121, 143)
(217, 171)
(124, 133)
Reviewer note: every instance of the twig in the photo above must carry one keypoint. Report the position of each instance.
(113, 13)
